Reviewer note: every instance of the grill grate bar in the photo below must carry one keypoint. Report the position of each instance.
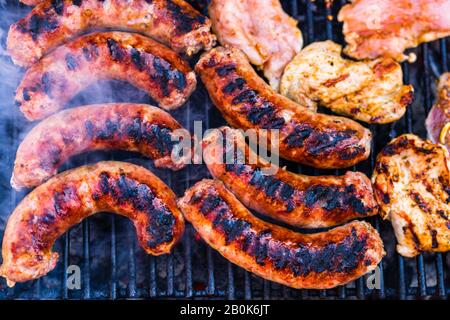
(131, 265)
(113, 288)
(86, 261)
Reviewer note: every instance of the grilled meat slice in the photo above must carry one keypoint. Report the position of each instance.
(172, 22)
(247, 102)
(317, 261)
(299, 200)
(124, 126)
(411, 184)
(370, 91)
(68, 198)
(261, 29)
(438, 120)
(385, 28)
(53, 81)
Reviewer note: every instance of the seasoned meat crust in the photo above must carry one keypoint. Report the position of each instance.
(261, 29)
(311, 261)
(52, 22)
(438, 120)
(412, 186)
(53, 81)
(247, 102)
(371, 91)
(125, 126)
(385, 28)
(68, 198)
(299, 200)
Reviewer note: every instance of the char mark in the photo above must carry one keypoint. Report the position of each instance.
(225, 70)
(38, 24)
(334, 198)
(163, 74)
(71, 62)
(184, 21)
(77, 2)
(124, 190)
(58, 6)
(115, 50)
(46, 83)
(136, 58)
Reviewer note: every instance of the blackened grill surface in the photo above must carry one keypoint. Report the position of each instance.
(104, 246)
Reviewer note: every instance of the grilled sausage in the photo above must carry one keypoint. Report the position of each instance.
(299, 200)
(53, 81)
(31, 2)
(124, 126)
(52, 22)
(319, 261)
(66, 199)
(247, 102)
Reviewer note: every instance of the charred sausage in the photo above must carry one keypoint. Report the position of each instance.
(299, 200)
(247, 102)
(52, 22)
(125, 126)
(317, 261)
(68, 198)
(50, 83)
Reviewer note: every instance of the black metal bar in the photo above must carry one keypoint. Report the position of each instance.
(153, 284)
(113, 288)
(131, 265)
(247, 286)
(230, 288)
(86, 261)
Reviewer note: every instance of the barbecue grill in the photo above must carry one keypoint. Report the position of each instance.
(103, 248)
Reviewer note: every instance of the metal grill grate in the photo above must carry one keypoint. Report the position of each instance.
(104, 246)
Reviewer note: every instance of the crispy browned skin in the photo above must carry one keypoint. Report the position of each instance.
(53, 81)
(247, 102)
(124, 126)
(68, 198)
(53, 22)
(411, 182)
(314, 261)
(299, 200)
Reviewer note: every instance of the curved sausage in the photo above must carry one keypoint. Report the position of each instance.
(52, 22)
(247, 102)
(68, 198)
(311, 261)
(53, 81)
(124, 126)
(298, 200)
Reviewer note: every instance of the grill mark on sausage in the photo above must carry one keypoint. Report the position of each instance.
(136, 58)
(38, 24)
(184, 21)
(115, 50)
(125, 190)
(58, 6)
(225, 70)
(77, 2)
(301, 260)
(434, 242)
(153, 134)
(163, 74)
(46, 84)
(71, 62)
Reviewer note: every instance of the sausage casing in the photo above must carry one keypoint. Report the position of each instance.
(316, 261)
(247, 102)
(125, 126)
(66, 199)
(299, 200)
(52, 22)
(53, 81)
